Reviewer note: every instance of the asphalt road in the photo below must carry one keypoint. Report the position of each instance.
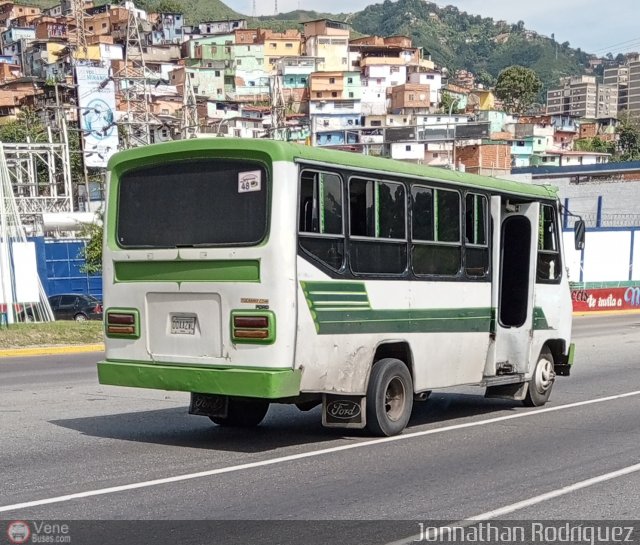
(462, 456)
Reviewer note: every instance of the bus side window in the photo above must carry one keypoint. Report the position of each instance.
(437, 247)
(378, 227)
(476, 239)
(320, 217)
(549, 266)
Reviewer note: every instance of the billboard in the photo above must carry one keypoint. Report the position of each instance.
(97, 103)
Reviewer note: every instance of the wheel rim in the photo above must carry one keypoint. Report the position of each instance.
(544, 375)
(81, 318)
(394, 399)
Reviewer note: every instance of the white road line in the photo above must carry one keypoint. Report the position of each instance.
(508, 509)
(301, 456)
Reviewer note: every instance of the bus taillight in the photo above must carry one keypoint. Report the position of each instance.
(122, 323)
(253, 327)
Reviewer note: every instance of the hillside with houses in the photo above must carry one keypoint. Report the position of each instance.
(377, 94)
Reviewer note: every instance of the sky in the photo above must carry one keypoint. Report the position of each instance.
(595, 26)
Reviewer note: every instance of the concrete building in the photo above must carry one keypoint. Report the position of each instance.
(634, 88)
(619, 76)
(278, 45)
(329, 40)
(583, 97)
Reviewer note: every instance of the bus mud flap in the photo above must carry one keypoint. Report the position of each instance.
(343, 411)
(516, 391)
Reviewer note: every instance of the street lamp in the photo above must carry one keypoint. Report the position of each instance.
(452, 164)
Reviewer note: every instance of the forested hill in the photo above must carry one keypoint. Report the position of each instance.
(482, 45)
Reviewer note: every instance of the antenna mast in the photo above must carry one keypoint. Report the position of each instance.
(190, 127)
(133, 86)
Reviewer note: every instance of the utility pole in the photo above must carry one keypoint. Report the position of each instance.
(254, 8)
(190, 126)
(278, 107)
(80, 45)
(133, 86)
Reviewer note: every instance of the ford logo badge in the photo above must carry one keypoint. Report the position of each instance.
(343, 409)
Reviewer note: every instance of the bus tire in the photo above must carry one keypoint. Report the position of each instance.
(389, 397)
(243, 413)
(541, 383)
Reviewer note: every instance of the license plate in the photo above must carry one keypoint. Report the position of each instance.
(183, 325)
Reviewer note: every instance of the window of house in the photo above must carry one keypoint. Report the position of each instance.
(411, 97)
(344, 60)
(219, 91)
(334, 94)
(288, 45)
(318, 95)
(377, 227)
(320, 217)
(436, 244)
(332, 80)
(549, 268)
(350, 94)
(91, 28)
(104, 25)
(349, 80)
(238, 62)
(272, 45)
(376, 123)
(476, 235)
(303, 80)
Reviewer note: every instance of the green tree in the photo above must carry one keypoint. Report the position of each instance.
(628, 137)
(518, 88)
(447, 102)
(596, 144)
(27, 127)
(92, 252)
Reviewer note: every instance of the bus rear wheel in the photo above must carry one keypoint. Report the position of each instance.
(389, 397)
(243, 413)
(542, 381)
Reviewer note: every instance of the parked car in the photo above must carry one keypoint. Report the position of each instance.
(74, 306)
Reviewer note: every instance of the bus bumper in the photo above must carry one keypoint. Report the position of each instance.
(264, 384)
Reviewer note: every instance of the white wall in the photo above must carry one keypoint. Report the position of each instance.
(411, 151)
(607, 255)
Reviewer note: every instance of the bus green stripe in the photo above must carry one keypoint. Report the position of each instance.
(313, 288)
(187, 271)
(335, 311)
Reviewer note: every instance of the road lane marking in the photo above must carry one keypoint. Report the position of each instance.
(303, 455)
(508, 509)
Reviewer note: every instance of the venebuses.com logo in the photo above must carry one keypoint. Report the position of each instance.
(18, 532)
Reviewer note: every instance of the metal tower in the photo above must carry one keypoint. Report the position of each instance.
(132, 84)
(276, 11)
(278, 109)
(81, 31)
(190, 127)
(254, 8)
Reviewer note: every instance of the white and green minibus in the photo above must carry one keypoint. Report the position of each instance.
(250, 272)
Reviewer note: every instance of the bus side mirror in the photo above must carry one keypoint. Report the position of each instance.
(579, 234)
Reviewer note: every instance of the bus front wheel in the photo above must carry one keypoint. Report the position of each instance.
(389, 397)
(542, 381)
(243, 413)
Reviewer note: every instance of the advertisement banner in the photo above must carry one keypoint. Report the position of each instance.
(600, 299)
(97, 102)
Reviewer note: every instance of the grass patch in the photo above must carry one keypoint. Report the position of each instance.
(51, 334)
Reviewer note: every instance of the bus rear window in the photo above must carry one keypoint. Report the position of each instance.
(204, 202)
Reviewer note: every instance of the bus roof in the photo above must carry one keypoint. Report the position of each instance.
(286, 151)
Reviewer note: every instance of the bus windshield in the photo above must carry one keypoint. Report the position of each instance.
(202, 202)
